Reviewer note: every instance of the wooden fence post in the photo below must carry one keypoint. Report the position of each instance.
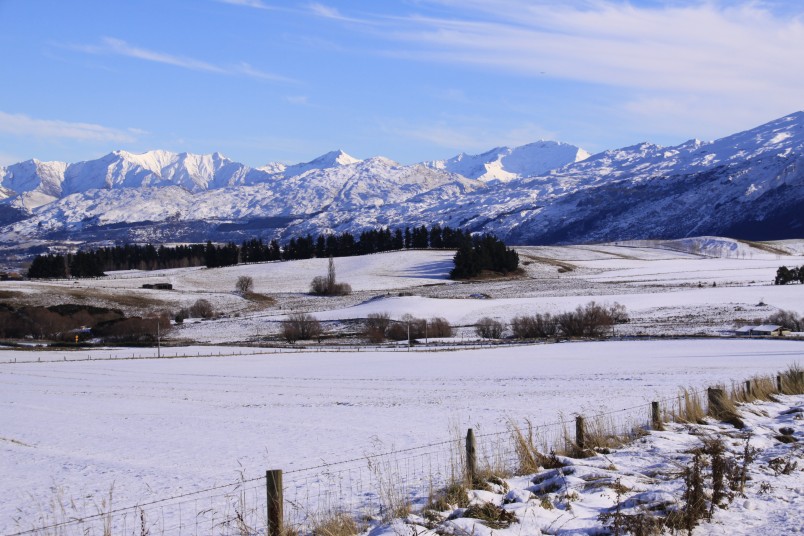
(471, 457)
(655, 416)
(779, 382)
(579, 435)
(273, 486)
(748, 388)
(716, 397)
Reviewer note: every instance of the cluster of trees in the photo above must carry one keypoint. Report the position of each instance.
(148, 257)
(129, 257)
(300, 327)
(479, 253)
(785, 275)
(787, 319)
(81, 264)
(327, 285)
(592, 320)
(200, 309)
(65, 322)
(379, 327)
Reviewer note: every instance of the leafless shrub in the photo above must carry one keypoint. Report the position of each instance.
(300, 326)
(397, 332)
(439, 327)
(538, 326)
(592, 320)
(376, 326)
(134, 329)
(488, 328)
(787, 319)
(244, 284)
(202, 309)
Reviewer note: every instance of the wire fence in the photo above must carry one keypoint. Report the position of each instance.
(369, 488)
(374, 488)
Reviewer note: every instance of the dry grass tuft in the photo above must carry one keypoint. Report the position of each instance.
(338, 524)
(793, 380)
(689, 408)
(491, 515)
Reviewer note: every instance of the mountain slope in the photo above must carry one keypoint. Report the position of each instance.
(505, 163)
(748, 185)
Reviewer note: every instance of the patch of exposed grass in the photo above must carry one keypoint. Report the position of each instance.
(338, 524)
(491, 515)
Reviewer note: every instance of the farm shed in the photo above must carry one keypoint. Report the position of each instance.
(768, 330)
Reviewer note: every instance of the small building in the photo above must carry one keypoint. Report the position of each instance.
(765, 330)
(744, 331)
(768, 330)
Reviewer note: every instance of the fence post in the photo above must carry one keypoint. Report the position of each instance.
(655, 417)
(779, 382)
(471, 457)
(579, 439)
(748, 388)
(273, 486)
(716, 398)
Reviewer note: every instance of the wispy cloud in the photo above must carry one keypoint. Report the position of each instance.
(23, 125)
(119, 47)
(329, 12)
(702, 46)
(257, 4)
(705, 47)
(299, 100)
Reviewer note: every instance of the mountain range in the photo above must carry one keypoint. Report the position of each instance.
(747, 185)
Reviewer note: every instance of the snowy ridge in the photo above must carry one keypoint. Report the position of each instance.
(505, 163)
(748, 185)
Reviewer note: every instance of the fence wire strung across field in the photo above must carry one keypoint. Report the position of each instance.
(369, 488)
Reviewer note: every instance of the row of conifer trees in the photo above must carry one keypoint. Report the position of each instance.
(475, 253)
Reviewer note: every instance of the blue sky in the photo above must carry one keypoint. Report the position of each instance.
(263, 80)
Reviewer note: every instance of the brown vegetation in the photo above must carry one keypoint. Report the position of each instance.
(300, 327)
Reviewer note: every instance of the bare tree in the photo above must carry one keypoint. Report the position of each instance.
(328, 285)
(439, 327)
(488, 328)
(244, 284)
(300, 326)
(376, 326)
(202, 309)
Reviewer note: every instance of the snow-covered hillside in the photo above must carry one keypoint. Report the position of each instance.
(749, 185)
(506, 163)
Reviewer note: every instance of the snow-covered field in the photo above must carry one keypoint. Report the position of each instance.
(156, 428)
(692, 286)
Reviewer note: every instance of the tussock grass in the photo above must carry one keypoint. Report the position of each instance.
(689, 408)
(793, 380)
(491, 515)
(336, 524)
(603, 432)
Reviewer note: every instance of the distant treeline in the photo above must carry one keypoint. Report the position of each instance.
(475, 253)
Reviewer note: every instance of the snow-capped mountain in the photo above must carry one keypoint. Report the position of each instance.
(505, 163)
(748, 185)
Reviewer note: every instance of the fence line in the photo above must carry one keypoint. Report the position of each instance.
(373, 487)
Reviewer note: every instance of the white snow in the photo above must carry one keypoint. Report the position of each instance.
(156, 428)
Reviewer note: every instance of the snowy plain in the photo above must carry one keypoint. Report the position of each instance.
(160, 427)
(153, 428)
